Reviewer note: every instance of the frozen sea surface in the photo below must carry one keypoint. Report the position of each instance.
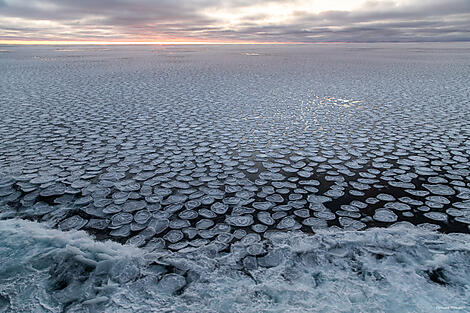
(234, 178)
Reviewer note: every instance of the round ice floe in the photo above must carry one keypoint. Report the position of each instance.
(334, 193)
(240, 210)
(356, 193)
(315, 222)
(271, 176)
(268, 189)
(434, 205)
(401, 185)
(385, 197)
(84, 200)
(159, 225)
(286, 223)
(438, 199)
(41, 208)
(127, 186)
(142, 216)
(351, 224)
(121, 219)
(199, 242)
(259, 228)
(146, 191)
(250, 239)
(178, 198)
(241, 221)
(418, 193)
(25, 187)
(224, 238)
(256, 249)
(462, 204)
(219, 208)
(263, 206)
(101, 192)
(53, 190)
(178, 223)
(318, 199)
(171, 283)
(348, 214)
(275, 198)
(399, 206)
(179, 245)
(207, 213)
(463, 219)
(73, 222)
(188, 214)
(222, 228)
(132, 205)
(207, 200)
(162, 192)
(173, 236)
(204, 224)
(137, 240)
(231, 200)
(410, 201)
(123, 231)
(423, 208)
(244, 194)
(349, 208)
(239, 233)
(232, 189)
(192, 204)
(101, 203)
(326, 215)
(295, 196)
(206, 233)
(265, 218)
(305, 174)
(261, 182)
(385, 216)
(436, 216)
(318, 159)
(311, 189)
(291, 204)
(43, 179)
(439, 189)
(136, 226)
(304, 213)
(429, 226)
(454, 212)
(99, 224)
(190, 232)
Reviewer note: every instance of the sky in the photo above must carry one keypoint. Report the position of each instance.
(235, 20)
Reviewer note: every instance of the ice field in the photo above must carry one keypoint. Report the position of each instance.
(257, 178)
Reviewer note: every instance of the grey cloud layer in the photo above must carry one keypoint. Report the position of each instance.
(427, 20)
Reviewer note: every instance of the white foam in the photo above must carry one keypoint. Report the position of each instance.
(396, 269)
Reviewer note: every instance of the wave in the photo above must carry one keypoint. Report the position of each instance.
(396, 269)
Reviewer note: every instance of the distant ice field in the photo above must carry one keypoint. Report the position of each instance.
(238, 152)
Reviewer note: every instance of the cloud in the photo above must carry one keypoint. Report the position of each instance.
(255, 20)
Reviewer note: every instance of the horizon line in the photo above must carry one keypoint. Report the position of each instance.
(91, 42)
(103, 43)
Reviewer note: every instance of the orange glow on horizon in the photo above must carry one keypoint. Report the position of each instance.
(78, 42)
